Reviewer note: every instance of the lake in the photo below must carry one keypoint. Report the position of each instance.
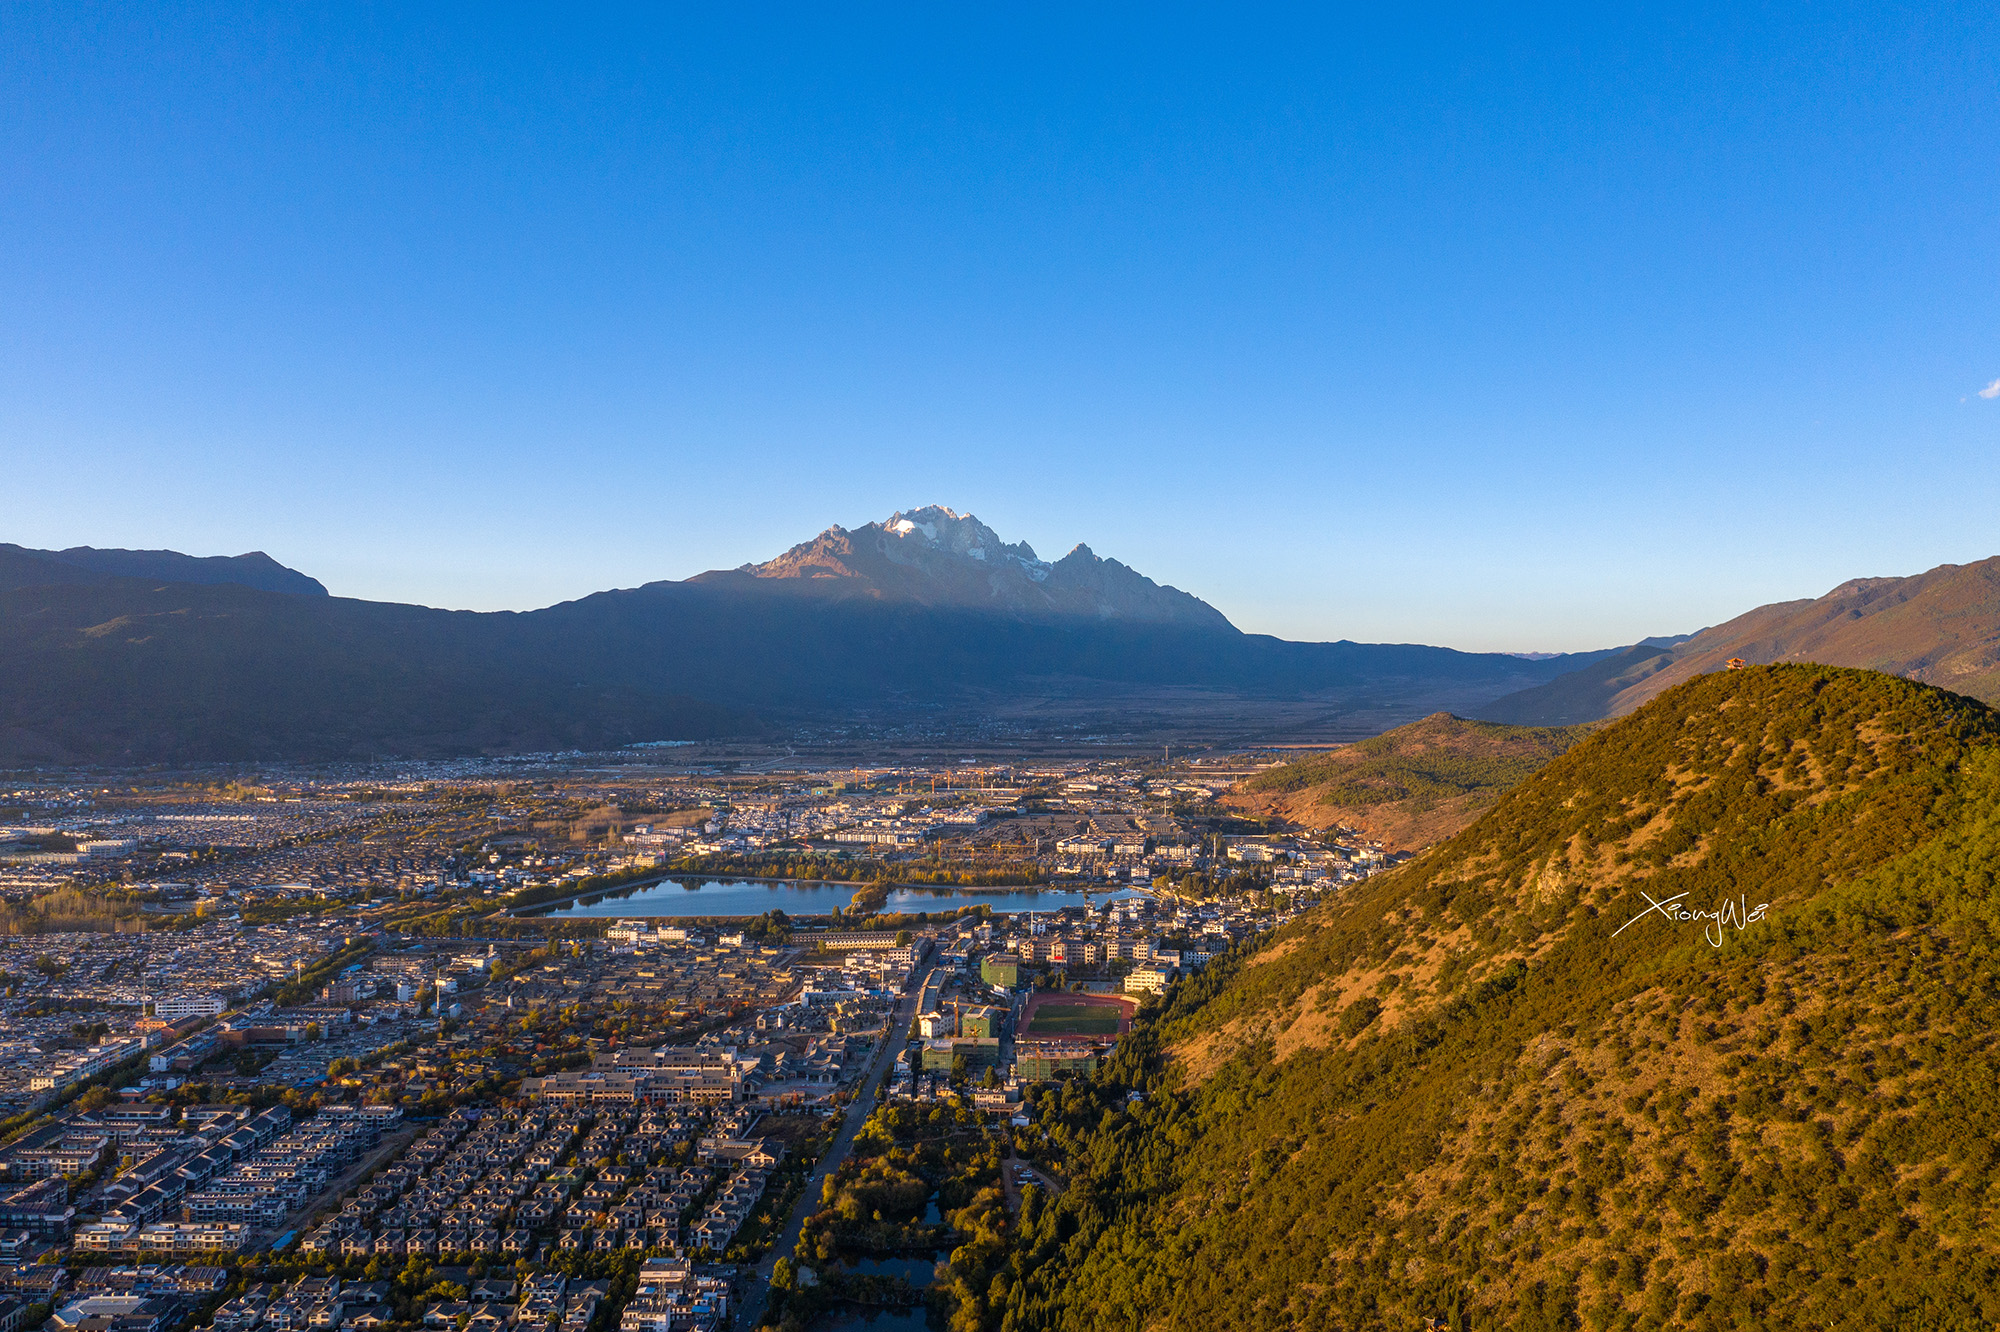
(875, 1320)
(753, 897)
(915, 1269)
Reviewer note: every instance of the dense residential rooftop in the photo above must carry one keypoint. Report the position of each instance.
(360, 1021)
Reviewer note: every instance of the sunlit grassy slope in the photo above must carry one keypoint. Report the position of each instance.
(1476, 1090)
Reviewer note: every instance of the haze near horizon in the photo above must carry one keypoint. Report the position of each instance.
(1502, 334)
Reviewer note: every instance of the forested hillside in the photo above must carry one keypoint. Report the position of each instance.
(1411, 786)
(1495, 1087)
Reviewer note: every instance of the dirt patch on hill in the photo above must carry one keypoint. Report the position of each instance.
(1397, 826)
(1408, 788)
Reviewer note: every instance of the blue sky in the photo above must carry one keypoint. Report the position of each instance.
(1495, 330)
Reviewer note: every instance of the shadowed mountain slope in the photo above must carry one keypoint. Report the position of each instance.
(1585, 695)
(128, 671)
(1941, 627)
(98, 667)
(1497, 1088)
(21, 567)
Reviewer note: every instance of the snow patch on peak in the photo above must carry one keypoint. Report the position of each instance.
(937, 556)
(947, 530)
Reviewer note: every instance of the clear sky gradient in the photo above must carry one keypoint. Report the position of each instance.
(1466, 327)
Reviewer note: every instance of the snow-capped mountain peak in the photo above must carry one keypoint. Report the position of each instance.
(939, 557)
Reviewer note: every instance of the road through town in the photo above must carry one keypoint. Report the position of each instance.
(752, 1311)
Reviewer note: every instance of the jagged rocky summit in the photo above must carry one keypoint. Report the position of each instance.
(935, 556)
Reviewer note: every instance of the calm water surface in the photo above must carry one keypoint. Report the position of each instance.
(751, 897)
(913, 1268)
(875, 1320)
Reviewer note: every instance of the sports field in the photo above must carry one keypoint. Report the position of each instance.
(1053, 1013)
(1075, 1020)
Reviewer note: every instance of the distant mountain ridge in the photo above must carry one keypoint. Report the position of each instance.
(934, 556)
(895, 619)
(1940, 627)
(1583, 695)
(156, 656)
(21, 566)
